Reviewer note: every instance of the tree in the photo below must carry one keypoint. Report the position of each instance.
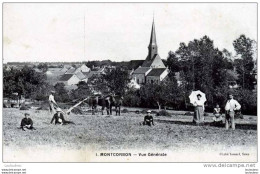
(115, 82)
(164, 94)
(25, 82)
(61, 93)
(152, 95)
(132, 98)
(43, 67)
(201, 67)
(244, 47)
(83, 91)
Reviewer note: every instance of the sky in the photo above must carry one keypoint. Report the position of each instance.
(66, 32)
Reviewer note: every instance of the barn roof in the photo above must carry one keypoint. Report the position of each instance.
(156, 72)
(66, 77)
(81, 75)
(71, 70)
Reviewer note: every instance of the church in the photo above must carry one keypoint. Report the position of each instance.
(153, 69)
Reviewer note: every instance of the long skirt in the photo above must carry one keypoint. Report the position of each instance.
(198, 114)
(52, 108)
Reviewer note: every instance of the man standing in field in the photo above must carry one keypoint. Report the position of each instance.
(52, 103)
(231, 106)
(27, 122)
(148, 119)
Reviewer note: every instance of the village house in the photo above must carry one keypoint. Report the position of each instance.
(79, 68)
(69, 79)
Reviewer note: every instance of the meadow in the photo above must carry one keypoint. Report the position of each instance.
(110, 133)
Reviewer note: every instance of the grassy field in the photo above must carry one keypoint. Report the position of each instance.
(175, 133)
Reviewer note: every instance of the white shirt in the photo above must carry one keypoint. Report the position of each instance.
(199, 103)
(51, 99)
(232, 105)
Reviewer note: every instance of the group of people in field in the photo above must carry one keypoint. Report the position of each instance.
(231, 107)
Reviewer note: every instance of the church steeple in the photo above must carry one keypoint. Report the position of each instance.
(153, 59)
(152, 48)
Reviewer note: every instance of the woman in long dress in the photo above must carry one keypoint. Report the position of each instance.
(198, 110)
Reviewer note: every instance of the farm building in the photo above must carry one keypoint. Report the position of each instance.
(69, 79)
(79, 68)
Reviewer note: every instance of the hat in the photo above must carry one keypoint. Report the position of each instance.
(26, 113)
(58, 110)
(52, 91)
(149, 111)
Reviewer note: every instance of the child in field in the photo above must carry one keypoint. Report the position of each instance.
(27, 122)
(148, 119)
(217, 114)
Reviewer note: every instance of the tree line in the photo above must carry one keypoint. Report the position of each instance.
(197, 65)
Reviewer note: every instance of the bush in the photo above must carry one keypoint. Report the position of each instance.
(125, 111)
(137, 112)
(206, 114)
(77, 111)
(163, 113)
(23, 107)
(154, 112)
(143, 111)
(188, 113)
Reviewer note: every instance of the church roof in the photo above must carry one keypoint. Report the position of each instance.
(156, 72)
(156, 62)
(141, 70)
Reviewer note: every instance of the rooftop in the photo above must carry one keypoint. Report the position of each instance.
(66, 77)
(156, 72)
(141, 70)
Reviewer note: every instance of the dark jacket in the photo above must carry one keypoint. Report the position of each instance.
(55, 118)
(148, 118)
(63, 121)
(26, 121)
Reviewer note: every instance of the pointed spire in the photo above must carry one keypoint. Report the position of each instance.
(153, 35)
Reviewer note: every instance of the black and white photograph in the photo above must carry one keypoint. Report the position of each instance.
(129, 82)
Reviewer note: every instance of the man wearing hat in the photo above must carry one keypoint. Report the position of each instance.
(231, 106)
(27, 122)
(148, 119)
(58, 118)
(52, 102)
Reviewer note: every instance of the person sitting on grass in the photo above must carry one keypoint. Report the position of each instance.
(217, 115)
(27, 122)
(148, 119)
(58, 118)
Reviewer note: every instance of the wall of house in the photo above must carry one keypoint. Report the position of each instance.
(140, 78)
(64, 82)
(164, 74)
(84, 68)
(73, 80)
(153, 79)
